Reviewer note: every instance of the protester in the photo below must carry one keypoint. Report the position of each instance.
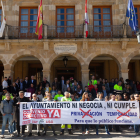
(17, 101)
(34, 96)
(45, 82)
(32, 81)
(85, 97)
(136, 127)
(5, 83)
(97, 126)
(74, 86)
(90, 87)
(56, 84)
(93, 81)
(7, 112)
(9, 81)
(65, 86)
(79, 90)
(31, 89)
(14, 90)
(41, 88)
(99, 86)
(4, 94)
(39, 95)
(48, 99)
(138, 86)
(53, 91)
(111, 85)
(118, 88)
(128, 90)
(47, 88)
(21, 85)
(58, 96)
(62, 82)
(66, 98)
(126, 97)
(86, 89)
(25, 84)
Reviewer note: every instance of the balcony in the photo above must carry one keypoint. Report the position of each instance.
(130, 33)
(65, 31)
(21, 32)
(114, 31)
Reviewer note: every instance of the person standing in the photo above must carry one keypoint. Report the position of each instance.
(9, 81)
(48, 98)
(31, 89)
(7, 112)
(25, 84)
(136, 126)
(66, 98)
(85, 97)
(62, 82)
(94, 82)
(32, 81)
(5, 83)
(34, 96)
(56, 83)
(111, 86)
(17, 102)
(14, 90)
(45, 82)
(21, 85)
(118, 88)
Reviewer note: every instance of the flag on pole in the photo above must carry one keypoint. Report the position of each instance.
(3, 21)
(39, 22)
(86, 19)
(131, 15)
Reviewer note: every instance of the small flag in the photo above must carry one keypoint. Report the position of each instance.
(131, 15)
(86, 19)
(3, 21)
(39, 22)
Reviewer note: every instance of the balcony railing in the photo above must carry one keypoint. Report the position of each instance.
(114, 31)
(21, 32)
(52, 32)
(130, 33)
(65, 31)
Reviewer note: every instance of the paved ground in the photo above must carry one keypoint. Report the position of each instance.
(125, 135)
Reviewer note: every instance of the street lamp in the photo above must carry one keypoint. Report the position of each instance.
(65, 61)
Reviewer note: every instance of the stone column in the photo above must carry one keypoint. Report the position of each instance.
(137, 70)
(46, 73)
(85, 76)
(124, 74)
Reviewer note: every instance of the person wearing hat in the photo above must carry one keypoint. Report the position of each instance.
(66, 98)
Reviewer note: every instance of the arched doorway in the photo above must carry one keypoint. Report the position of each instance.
(134, 68)
(1, 72)
(72, 69)
(103, 66)
(28, 66)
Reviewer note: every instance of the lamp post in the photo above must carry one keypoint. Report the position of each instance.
(65, 61)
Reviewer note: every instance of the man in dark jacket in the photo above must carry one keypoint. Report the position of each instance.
(25, 84)
(45, 82)
(14, 90)
(32, 81)
(17, 101)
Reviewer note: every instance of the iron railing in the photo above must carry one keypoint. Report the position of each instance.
(65, 31)
(113, 31)
(21, 32)
(130, 33)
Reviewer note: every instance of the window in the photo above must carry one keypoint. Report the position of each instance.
(102, 19)
(65, 20)
(28, 19)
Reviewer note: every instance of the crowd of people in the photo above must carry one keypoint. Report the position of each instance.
(64, 90)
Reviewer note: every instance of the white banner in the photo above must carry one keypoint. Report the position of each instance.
(88, 112)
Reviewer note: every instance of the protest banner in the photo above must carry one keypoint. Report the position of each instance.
(90, 112)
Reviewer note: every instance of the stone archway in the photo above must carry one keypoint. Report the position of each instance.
(9, 66)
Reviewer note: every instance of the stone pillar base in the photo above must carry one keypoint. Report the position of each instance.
(46, 73)
(124, 74)
(85, 77)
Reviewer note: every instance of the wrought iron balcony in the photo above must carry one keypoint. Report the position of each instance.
(65, 31)
(21, 32)
(113, 31)
(130, 33)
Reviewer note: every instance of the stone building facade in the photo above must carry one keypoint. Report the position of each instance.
(119, 47)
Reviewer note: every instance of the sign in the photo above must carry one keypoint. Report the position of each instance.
(88, 112)
(65, 48)
(27, 94)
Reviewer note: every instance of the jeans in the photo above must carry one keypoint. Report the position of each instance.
(85, 126)
(136, 128)
(8, 117)
(106, 128)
